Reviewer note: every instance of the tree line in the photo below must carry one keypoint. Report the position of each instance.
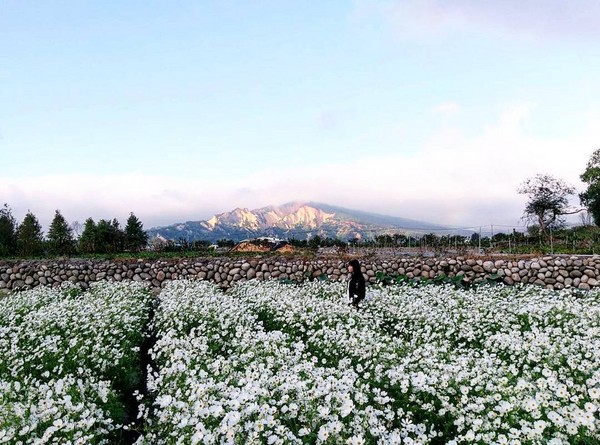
(27, 239)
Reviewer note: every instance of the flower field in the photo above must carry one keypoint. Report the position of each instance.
(275, 363)
(68, 360)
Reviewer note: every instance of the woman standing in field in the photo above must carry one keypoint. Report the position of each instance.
(356, 285)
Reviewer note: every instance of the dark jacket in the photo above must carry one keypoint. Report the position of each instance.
(356, 286)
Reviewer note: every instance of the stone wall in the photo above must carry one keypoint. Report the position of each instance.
(555, 272)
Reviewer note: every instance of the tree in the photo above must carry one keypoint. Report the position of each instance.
(87, 240)
(8, 232)
(548, 201)
(118, 236)
(109, 236)
(590, 198)
(30, 238)
(76, 227)
(136, 237)
(315, 242)
(225, 243)
(60, 235)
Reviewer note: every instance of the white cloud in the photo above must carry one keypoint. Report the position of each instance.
(536, 19)
(156, 200)
(452, 179)
(446, 108)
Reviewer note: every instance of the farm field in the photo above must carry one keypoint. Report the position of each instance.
(275, 363)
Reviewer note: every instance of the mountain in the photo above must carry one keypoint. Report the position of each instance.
(300, 220)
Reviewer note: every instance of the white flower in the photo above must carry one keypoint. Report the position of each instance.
(539, 426)
(323, 433)
(346, 407)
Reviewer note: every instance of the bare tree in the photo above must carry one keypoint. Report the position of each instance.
(548, 201)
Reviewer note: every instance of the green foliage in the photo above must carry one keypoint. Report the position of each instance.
(109, 237)
(225, 243)
(8, 232)
(135, 236)
(30, 236)
(60, 235)
(590, 198)
(87, 240)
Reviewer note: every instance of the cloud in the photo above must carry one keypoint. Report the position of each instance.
(156, 200)
(453, 179)
(446, 108)
(536, 19)
(327, 120)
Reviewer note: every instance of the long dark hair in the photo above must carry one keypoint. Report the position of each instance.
(356, 272)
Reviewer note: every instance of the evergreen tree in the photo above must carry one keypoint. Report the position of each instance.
(87, 240)
(60, 235)
(8, 232)
(109, 236)
(117, 236)
(103, 236)
(135, 236)
(30, 236)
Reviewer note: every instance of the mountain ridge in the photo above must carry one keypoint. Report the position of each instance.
(295, 219)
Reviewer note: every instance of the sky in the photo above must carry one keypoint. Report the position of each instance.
(435, 110)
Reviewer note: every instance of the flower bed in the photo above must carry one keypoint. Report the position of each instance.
(273, 363)
(68, 361)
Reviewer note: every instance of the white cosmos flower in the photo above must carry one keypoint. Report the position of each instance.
(594, 393)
